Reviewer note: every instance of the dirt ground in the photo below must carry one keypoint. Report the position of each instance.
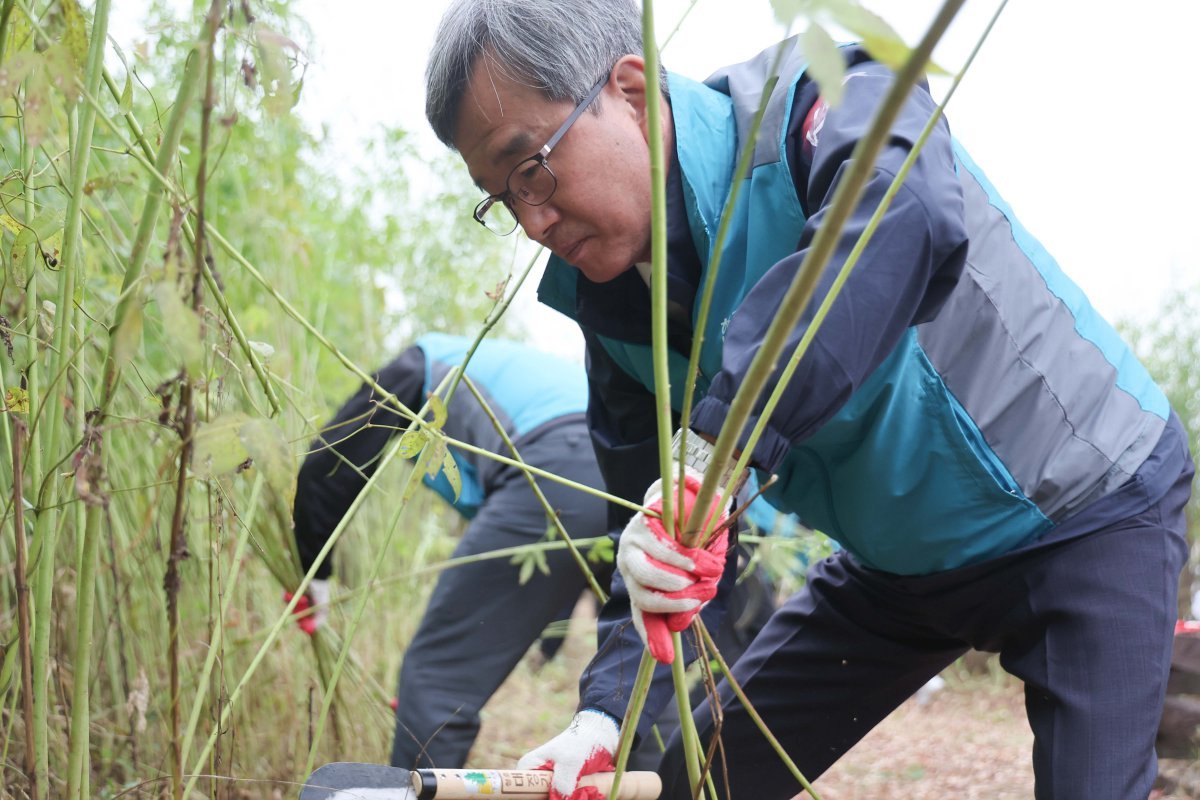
(971, 740)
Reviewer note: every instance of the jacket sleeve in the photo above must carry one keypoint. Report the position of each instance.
(343, 457)
(910, 266)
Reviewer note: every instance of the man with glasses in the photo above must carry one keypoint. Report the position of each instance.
(999, 469)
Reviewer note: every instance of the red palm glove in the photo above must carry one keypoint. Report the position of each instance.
(668, 582)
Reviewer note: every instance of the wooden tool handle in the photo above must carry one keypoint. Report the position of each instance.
(515, 784)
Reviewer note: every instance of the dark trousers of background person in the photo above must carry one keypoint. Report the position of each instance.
(481, 620)
(1084, 617)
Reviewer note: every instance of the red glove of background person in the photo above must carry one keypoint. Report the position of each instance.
(317, 597)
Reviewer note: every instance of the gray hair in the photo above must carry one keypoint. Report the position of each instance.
(560, 47)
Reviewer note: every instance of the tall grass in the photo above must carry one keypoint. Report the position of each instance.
(135, 339)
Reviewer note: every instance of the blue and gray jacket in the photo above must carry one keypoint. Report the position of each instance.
(529, 391)
(962, 397)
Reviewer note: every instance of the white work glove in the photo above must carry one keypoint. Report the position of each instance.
(316, 597)
(588, 745)
(669, 583)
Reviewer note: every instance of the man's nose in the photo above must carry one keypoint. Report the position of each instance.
(538, 220)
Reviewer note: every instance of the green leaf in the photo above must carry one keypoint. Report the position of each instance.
(412, 442)
(9, 669)
(218, 446)
(14, 70)
(37, 113)
(10, 224)
(182, 327)
(128, 338)
(266, 444)
(439, 411)
(825, 63)
(880, 38)
(279, 95)
(26, 238)
(602, 552)
(786, 11)
(435, 459)
(527, 567)
(126, 104)
(63, 71)
(450, 468)
(261, 349)
(16, 399)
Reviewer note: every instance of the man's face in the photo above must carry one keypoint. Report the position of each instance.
(598, 218)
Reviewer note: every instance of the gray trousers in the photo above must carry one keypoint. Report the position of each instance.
(480, 620)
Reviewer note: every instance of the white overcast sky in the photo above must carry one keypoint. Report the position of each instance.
(1083, 114)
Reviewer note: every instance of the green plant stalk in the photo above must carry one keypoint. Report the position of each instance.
(551, 514)
(85, 611)
(754, 715)
(431, 569)
(411, 482)
(541, 473)
(43, 582)
(678, 24)
(633, 713)
(64, 328)
(5, 15)
(798, 295)
(658, 259)
(687, 725)
(215, 645)
(23, 626)
(860, 245)
(78, 758)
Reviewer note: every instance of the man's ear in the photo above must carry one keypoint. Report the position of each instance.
(629, 80)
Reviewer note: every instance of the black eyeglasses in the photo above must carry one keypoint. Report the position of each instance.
(531, 181)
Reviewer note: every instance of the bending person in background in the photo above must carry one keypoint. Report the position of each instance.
(481, 619)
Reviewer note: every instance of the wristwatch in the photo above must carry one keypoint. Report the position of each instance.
(698, 454)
